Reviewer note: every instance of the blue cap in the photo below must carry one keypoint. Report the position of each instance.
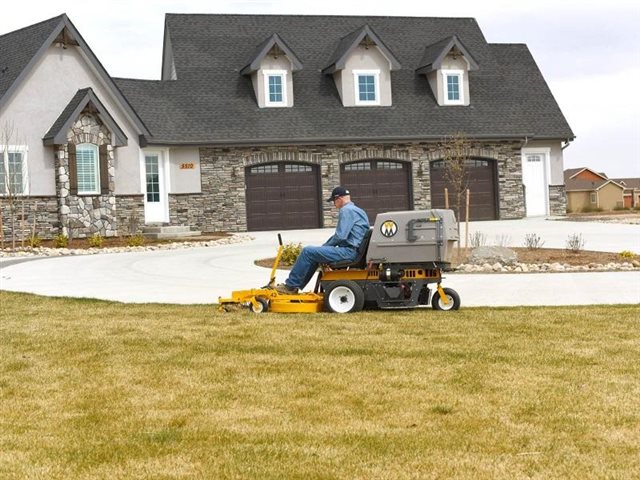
(337, 193)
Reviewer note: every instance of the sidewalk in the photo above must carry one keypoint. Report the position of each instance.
(201, 275)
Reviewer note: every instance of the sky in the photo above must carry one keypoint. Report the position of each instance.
(587, 50)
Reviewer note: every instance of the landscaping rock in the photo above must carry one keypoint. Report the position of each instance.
(492, 255)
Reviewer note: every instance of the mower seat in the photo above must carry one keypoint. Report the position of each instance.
(361, 259)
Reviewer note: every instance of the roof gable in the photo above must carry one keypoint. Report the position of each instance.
(57, 134)
(575, 173)
(38, 38)
(434, 54)
(351, 41)
(274, 41)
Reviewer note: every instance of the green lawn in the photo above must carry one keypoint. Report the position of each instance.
(92, 389)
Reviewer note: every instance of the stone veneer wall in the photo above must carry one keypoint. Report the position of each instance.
(83, 215)
(557, 200)
(222, 206)
(44, 210)
(130, 214)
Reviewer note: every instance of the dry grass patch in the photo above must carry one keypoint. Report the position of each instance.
(92, 389)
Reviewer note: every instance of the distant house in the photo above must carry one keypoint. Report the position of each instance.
(257, 117)
(631, 191)
(588, 190)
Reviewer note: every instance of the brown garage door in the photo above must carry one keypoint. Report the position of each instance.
(482, 188)
(378, 185)
(282, 196)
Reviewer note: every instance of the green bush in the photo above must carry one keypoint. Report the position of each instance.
(60, 241)
(35, 241)
(290, 253)
(627, 254)
(95, 240)
(136, 240)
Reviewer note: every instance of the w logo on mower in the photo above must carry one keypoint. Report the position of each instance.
(389, 228)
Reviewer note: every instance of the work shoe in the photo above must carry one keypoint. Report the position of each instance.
(286, 289)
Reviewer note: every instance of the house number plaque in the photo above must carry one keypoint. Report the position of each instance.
(187, 166)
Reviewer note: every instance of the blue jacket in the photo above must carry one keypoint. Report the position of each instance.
(353, 223)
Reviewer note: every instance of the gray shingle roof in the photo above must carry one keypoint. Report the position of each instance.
(434, 54)
(57, 134)
(211, 103)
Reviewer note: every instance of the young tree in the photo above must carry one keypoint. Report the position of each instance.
(12, 179)
(456, 154)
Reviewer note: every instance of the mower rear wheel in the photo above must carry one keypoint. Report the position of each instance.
(343, 296)
(453, 300)
(262, 307)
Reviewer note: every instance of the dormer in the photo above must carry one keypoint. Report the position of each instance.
(447, 64)
(271, 69)
(361, 68)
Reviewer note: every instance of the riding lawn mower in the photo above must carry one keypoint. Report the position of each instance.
(399, 265)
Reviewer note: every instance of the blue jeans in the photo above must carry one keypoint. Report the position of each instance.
(309, 259)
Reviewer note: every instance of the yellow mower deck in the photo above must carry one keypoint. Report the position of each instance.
(306, 302)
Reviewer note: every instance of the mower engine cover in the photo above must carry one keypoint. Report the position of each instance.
(414, 237)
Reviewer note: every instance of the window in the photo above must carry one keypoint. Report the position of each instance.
(152, 173)
(13, 171)
(453, 87)
(88, 171)
(297, 168)
(275, 85)
(357, 166)
(594, 198)
(389, 166)
(367, 87)
(261, 169)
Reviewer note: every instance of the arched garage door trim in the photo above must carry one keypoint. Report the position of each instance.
(283, 196)
(483, 186)
(379, 184)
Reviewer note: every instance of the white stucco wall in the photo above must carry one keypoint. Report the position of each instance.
(364, 59)
(38, 102)
(184, 170)
(281, 63)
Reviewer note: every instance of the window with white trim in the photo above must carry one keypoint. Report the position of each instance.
(453, 82)
(88, 168)
(367, 87)
(594, 197)
(13, 171)
(275, 88)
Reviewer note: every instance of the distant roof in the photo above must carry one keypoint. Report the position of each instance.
(20, 50)
(212, 103)
(629, 183)
(57, 134)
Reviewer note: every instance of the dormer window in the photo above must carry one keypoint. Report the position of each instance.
(361, 68)
(447, 64)
(271, 69)
(275, 84)
(454, 87)
(367, 85)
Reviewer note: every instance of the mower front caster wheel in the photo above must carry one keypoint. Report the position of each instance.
(261, 307)
(453, 300)
(343, 296)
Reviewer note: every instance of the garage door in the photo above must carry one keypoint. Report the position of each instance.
(482, 188)
(282, 196)
(378, 185)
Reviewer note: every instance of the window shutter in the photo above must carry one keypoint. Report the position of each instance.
(104, 170)
(73, 171)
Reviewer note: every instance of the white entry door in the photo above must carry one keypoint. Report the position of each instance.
(155, 197)
(534, 178)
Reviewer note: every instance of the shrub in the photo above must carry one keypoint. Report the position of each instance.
(503, 240)
(575, 242)
(290, 253)
(627, 254)
(478, 239)
(60, 241)
(35, 241)
(136, 240)
(95, 240)
(619, 208)
(533, 241)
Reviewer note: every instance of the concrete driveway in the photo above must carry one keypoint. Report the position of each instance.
(201, 275)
